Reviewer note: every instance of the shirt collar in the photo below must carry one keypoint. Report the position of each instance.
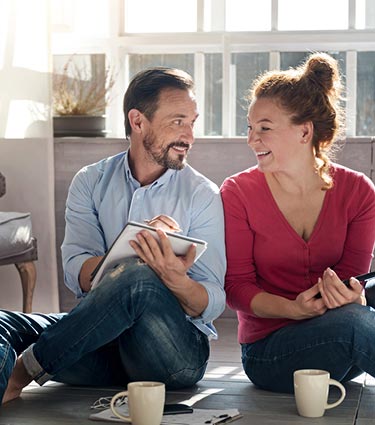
(163, 179)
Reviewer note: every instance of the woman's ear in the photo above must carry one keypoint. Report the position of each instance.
(135, 120)
(307, 132)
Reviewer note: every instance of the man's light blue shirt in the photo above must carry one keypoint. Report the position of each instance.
(104, 196)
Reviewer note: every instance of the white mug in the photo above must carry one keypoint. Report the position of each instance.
(311, 388)
(146, 403)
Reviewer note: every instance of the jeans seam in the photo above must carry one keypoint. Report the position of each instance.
(4, 358)
(293, 352)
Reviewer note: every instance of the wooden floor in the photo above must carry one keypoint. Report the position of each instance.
(224, 386)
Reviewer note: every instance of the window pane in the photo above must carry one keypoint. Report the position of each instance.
(366, 94)
(145, 16)
(247, 67)
(313, 15)
(248, 15)
(293, 59)
(86, 18)
(365, 14)
(139, 62)
(213, 111)
(85, 78)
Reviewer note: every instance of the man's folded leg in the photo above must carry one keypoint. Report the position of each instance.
(133, 309)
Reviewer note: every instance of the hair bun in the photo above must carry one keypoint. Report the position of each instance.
(323, 70)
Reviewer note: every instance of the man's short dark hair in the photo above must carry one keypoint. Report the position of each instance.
(144, 90)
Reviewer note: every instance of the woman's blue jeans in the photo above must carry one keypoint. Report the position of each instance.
(129, 328)
(341, 341)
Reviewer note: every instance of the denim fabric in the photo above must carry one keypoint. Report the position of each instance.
(341, 341)
(131, 327)
(17, 332)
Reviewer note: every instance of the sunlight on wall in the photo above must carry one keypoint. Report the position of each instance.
(24, 69)
(26, 118)
(3, 30)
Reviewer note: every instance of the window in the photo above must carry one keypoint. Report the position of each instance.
(246, 67)
(365, 94)
(248, 15)
(139, 62)
(313, 15)
(213, 94)
(145, 16)
(224, 45)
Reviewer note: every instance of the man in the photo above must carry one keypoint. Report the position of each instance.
(146, 321)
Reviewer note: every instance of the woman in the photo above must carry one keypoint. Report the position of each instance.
(296, 226)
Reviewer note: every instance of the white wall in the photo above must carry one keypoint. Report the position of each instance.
(26, 143)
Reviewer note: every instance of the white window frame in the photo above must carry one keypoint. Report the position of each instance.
(119, 45)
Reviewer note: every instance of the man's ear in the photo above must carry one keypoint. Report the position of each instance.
(135, 120)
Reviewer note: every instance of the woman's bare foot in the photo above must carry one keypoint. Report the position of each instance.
(17, 381)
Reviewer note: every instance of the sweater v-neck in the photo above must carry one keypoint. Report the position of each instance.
(286, 223)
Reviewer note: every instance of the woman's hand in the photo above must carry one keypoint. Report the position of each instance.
(336, 294)
(307, 305)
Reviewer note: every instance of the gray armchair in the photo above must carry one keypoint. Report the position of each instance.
(18, 247)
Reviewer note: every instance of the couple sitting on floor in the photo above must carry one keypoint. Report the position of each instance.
(281, 235)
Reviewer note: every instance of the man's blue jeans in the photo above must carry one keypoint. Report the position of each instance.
(17, 332)
(129, 328)
(341, 341)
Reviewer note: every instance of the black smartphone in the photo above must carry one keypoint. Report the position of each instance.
(177, 409)
(362, 278)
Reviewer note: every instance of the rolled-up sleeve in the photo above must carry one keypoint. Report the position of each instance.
(208, 224)
(83, 233)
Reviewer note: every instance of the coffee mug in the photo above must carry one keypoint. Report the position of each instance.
(145, 400)
(311, 388)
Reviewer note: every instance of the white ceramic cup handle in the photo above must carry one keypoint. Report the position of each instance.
(343, 393)
(113, 407)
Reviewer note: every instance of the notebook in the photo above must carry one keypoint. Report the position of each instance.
(120, 249)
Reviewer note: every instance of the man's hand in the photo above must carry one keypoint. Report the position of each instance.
(172, 270)
(164, 222)
(85, 274)
(336, 294)
(161, 258)
(160, 221)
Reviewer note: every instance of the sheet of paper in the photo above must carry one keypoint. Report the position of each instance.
(198, 417)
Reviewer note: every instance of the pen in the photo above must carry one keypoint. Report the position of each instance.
(228, 419)
(212, 421)
(223, 419)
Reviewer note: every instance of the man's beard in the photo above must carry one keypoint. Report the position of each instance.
(161, 157)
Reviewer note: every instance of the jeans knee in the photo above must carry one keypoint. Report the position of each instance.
(185, 378)
(354, 316)
(136, 282)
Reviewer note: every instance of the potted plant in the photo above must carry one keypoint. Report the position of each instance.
(80, 96)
